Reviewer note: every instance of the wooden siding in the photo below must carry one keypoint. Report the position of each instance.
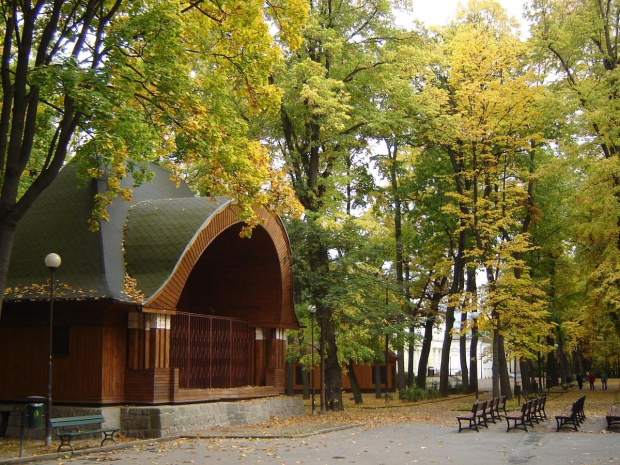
(88, 373)
(260, 360)
(363, 373)
(23, 366)
(113, 366)
(151, 386)
(212, 395)
(159, 386)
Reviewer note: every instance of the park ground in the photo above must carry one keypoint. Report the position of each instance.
(372, 413)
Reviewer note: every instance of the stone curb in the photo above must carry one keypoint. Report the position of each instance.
(127, 445)
(58, 455)
(271, 436)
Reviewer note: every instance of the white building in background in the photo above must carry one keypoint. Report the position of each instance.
(484, 354)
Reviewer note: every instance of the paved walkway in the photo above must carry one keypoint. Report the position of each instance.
(384, 445)
(433, 441)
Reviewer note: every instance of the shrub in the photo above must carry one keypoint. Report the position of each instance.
(414, 393)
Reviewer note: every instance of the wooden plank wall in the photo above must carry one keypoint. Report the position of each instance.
(152, 385)
(364, 374)
(23, 362)
(89, 373)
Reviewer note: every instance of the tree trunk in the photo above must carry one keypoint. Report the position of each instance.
(398, 246)
(504, 377)
(552, 367)
(562, 365)
(425, 351)
(472, 290)
(333, 374)
(473, 357)
(495, 364)
(7, 235)
(429, 324)
(444, 380)
(410, 357)
(455, 288)
(400, 375)
(526, 375)
(355, 386)
(411, 337)
(463, 354)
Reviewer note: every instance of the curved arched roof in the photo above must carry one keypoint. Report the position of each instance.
(156, 239)
(154, 248)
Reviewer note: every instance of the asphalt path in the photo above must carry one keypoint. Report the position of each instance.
(382, 445)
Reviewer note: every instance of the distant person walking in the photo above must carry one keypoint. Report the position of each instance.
(604, 380)
(580, 380)
(591, 378)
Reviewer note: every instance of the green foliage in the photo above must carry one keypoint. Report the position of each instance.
(574, 42)
(414, 393)
(152, 78)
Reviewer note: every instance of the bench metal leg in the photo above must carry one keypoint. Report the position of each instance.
(518, 423)
(472, 424)
(65, 442)
(109, 436)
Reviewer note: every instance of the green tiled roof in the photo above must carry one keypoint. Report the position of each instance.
(157, 234)
(158, 222)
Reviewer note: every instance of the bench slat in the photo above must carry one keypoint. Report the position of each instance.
(77, 421)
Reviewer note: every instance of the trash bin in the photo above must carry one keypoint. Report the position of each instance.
(35, 411)
(517, 390)
(535, 386)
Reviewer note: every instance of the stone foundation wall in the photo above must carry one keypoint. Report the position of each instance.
(171, 420)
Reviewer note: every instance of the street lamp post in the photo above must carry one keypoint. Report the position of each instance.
(474, 316)
(52, 261)
(312, 311)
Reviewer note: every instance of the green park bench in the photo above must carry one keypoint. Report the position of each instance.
(67, 428)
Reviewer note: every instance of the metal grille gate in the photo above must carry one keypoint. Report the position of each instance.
(210, 352)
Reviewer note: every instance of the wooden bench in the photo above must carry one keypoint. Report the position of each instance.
(581, 415)
(67, 428)
(540, 409)
(531, 416)
(519, 419)
(500, 405)
(469, 417)
(613, 415)
(492, 410)
(481, 414)
(568, 418)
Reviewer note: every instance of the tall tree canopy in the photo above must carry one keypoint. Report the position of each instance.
(328, 105)
(119, 83)
(577, 44)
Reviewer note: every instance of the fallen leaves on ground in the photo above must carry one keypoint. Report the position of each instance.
(373, 412)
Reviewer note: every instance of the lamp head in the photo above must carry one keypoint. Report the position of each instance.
(312, 309)
(474, 315)
(52, 261)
